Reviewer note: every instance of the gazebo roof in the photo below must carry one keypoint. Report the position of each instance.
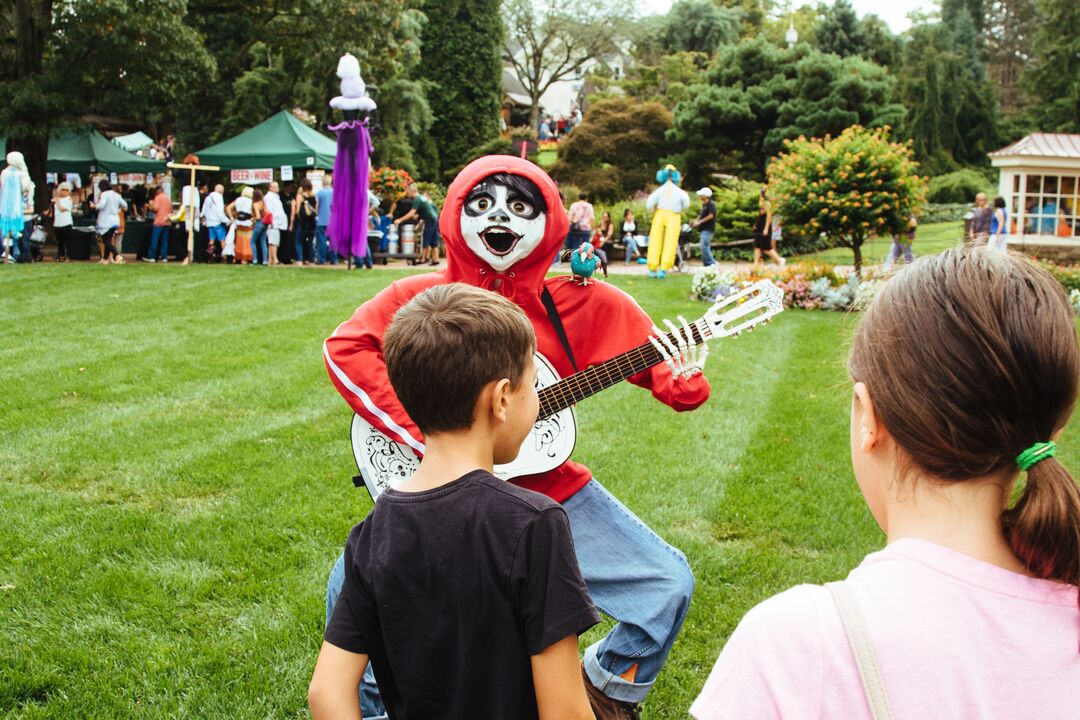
(1047, 145)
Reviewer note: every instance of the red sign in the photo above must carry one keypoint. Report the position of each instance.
(252, 177)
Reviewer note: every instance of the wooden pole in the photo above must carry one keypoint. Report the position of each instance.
(191, 205)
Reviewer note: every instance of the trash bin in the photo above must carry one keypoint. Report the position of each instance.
(82, 242)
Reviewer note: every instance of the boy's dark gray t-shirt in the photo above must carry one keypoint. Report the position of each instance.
(450, 591)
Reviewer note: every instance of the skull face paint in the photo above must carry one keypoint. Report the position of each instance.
(503, 219)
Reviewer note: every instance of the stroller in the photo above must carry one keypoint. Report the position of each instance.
(682, 254)
(37, 239)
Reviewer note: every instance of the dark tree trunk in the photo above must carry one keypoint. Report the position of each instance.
(856, 248)
(33, 19)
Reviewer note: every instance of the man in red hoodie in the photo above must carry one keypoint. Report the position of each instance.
(503, 221)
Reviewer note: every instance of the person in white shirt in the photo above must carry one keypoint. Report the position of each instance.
(62, 223)
(215, 219)
(108, 207)
(280, 221)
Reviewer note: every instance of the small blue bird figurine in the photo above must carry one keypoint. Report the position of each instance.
(583, 262)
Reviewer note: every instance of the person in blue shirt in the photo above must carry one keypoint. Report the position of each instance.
(1049, 220)
(323, 201)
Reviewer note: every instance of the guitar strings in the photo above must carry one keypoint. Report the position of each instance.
(592, 380)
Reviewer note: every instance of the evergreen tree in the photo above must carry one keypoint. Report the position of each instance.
(1010, 29)
(756, 95)
(461, 51)
(1055, 79)
(839, 32)
(953, 116)
(700, 26)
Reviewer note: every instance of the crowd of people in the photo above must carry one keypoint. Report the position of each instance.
(248, 228)
(552, 128)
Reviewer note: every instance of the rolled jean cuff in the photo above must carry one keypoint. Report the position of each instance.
(611, 684)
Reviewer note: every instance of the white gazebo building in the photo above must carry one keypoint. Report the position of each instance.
(1040, 182)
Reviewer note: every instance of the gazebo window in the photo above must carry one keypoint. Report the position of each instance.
(1049, 204)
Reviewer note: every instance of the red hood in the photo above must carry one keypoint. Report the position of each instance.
(523, 281)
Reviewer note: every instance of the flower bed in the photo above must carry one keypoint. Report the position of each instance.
(806, 286)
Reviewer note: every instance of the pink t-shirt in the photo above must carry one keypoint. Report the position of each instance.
(954, 638)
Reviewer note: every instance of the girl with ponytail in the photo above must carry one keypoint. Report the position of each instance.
(965, 372)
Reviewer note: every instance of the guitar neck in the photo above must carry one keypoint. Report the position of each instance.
(586, 383)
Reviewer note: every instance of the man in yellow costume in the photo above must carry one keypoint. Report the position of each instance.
(666, 203)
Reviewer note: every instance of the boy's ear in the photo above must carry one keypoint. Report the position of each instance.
(499, 399)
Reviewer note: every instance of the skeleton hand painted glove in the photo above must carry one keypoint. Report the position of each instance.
(683, 356)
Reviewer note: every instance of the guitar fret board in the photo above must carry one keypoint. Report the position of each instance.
(588, 382)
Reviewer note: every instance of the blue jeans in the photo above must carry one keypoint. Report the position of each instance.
(159, 242)
(322, 249)
(631, 247)
(303, 245)
(259, 251)
(898, 248)
(706, 248)
(632, 575)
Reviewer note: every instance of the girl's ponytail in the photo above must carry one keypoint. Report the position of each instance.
(1044, 526)
(974, 356)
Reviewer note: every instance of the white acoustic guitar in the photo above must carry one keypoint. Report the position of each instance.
(384, 462)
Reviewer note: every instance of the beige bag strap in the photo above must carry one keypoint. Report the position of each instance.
(859, 638)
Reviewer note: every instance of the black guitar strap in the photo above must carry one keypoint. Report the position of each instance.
(556, 322)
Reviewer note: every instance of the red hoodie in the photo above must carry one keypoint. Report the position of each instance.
(601, 321)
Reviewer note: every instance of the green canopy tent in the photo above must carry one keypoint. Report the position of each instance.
(91, 152)
(134, 141)
(277, 141)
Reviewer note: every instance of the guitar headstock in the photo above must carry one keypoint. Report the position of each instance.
(743, 310)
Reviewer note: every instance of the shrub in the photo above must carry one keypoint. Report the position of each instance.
(943, 212)
(847, 188)
(616, 149)
(1067, 275)
(389, 183)
(957, 187)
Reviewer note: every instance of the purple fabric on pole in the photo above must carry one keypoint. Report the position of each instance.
(349, 217)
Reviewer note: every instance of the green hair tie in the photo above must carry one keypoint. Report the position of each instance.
(1039, 451)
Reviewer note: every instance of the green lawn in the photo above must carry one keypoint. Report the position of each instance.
(175, 483)
(929, 239)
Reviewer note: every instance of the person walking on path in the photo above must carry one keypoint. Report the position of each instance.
(763, 243)
(324, 206)
(980, 222)
(582, 216)
(899, 247)
(706, 224)
(279, 221)
(108, 209)
(62, 223)
(159, 235)
(999, 226)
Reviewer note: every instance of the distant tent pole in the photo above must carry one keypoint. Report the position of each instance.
(192, 194)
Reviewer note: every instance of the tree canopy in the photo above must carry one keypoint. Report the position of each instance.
(848, 187)
(617, 148)
(756, 95)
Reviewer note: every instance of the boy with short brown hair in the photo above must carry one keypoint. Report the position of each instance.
(462, 590)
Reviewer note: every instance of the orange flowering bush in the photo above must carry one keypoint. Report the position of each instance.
(388, 183)
(847, 188)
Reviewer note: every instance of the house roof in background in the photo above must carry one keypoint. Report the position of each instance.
(1050, 145)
